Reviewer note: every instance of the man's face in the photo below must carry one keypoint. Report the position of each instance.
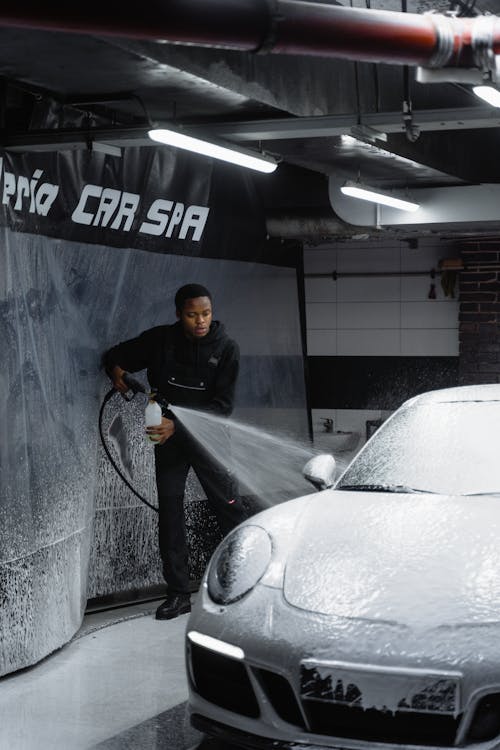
(195, 317)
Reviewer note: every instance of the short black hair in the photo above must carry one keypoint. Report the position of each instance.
(190, 291)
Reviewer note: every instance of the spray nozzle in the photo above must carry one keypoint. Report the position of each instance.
(134, 385)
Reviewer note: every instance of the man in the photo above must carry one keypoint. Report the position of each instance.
(192, 363)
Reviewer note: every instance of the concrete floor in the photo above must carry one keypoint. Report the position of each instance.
(119, 684)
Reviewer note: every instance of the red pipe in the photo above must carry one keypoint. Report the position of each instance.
(233, 24)
(359, 34)
(276, 26)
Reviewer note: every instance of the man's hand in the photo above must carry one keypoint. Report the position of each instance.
(117, 378)
(161, 432)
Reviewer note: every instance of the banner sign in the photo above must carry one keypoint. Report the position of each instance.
(161, 200)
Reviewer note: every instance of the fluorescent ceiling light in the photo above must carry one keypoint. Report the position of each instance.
(233, 154)
(489, 94)
(364, 193)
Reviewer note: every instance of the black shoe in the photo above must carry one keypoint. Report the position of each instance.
(174, 605)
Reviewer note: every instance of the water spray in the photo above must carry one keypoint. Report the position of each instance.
(269, 467)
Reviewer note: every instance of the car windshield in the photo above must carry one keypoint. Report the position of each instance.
(450, 448)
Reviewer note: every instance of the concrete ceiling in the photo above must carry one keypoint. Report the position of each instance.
(299, 107)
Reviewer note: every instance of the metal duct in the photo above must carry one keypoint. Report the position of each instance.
(280, 27)
(440, 208)
(308, 224)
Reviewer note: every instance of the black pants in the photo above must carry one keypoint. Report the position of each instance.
(173, 460)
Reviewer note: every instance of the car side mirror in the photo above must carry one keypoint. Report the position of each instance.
(320, 471)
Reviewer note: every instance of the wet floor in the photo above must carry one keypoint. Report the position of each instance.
(169, 730)
(119, 684)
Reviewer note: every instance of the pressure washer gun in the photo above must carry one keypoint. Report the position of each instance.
(137, 387)
(133, 384)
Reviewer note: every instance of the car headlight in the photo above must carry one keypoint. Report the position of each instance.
(238, 564)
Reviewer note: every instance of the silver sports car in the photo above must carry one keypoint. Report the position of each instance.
(366, 615)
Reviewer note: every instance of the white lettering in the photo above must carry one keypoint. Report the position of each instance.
(128, 207)
(107, 206)
(41, 198)
(195, 218)
(176, 218)
(9, 186)
(158, 213)
(23, 190)
(45, 197)
(112, 203)
(33, 183)
(79, 215)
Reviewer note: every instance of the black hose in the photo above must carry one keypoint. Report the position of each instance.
(107, 397)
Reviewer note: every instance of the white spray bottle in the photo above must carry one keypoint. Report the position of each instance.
(152, 416)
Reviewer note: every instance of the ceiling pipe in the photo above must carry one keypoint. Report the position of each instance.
(280, 27)
(314, 224)
(233, 24)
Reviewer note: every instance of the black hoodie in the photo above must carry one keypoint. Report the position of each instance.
(199, 374)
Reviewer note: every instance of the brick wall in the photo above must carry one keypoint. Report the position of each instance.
(479, 316)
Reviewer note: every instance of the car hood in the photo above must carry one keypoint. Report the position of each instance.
(416, 560)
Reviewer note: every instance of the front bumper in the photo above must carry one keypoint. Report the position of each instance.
(237, 738)
(276, 638)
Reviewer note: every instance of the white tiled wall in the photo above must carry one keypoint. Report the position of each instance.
(379, 315)
(376, 315)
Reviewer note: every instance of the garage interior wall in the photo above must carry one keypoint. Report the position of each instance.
(62, 303)
(480, 311)
(374, 340)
